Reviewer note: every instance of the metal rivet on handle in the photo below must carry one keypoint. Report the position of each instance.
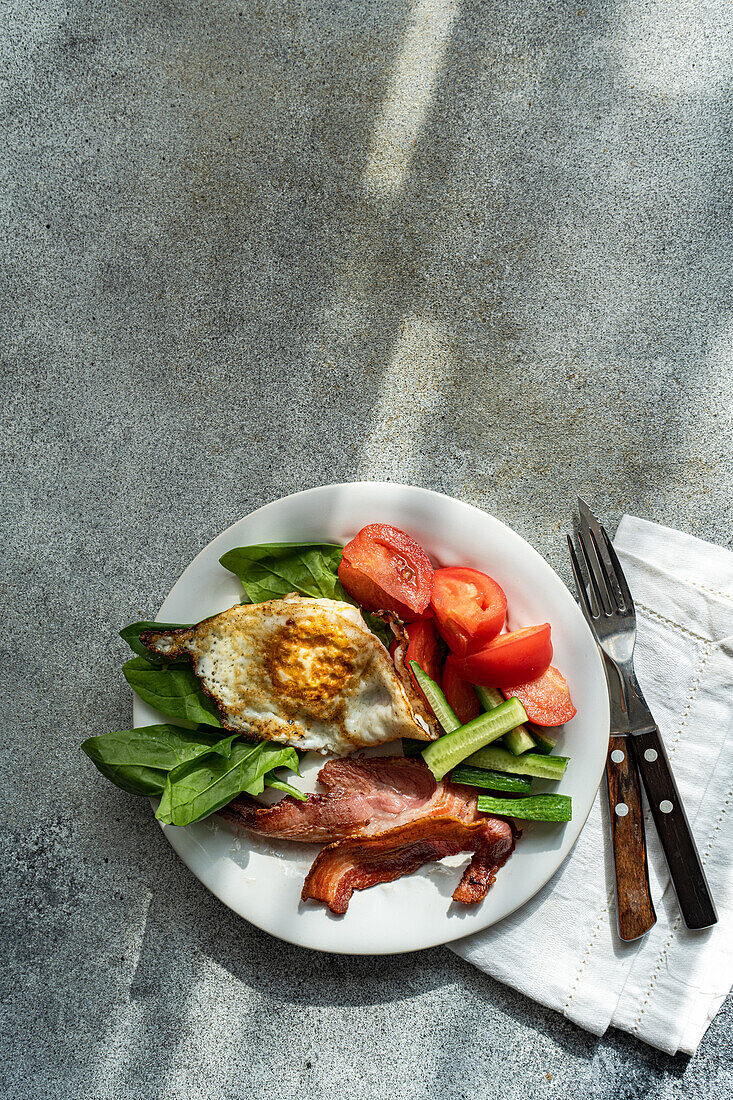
(617, 756)
(650, 755)
(621, 809)
(666, 806)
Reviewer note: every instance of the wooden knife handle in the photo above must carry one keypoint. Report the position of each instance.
(685, 868)
(635, 907)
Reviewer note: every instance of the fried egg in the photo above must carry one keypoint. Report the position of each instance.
(300, 671)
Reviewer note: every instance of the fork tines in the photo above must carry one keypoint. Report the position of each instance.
(600, 581)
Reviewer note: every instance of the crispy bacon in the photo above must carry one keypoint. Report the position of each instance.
(358, 863)
(321, 819)
(363, 797)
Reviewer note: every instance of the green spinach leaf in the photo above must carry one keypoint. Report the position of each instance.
(139, 760)
(271, 570)
(281, 785)
(378, 627)
(174, 690)
(202, 786)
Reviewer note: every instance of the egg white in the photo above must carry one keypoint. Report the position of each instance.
(299, 671)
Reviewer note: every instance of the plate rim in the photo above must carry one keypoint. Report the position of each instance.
(505, 529)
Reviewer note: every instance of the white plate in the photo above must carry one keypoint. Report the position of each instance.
(261, 880)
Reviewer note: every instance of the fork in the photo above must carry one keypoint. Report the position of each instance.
(609, 609)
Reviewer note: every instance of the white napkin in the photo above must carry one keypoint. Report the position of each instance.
(665, 988)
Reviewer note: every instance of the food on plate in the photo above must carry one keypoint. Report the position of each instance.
(470, 608)
(546, 700)
(300, 671)
(193, 772)
(529, 763)
(512, 658)
(460, 695)
(543, 741)
(416, 641)
(357, 864)
(302, 664)
(386, 570)
(423, 646)
(461, 740)
(491, 780)
(540, 807)
(363, 796)
(452, 748)
(272, 570)
(519, 739)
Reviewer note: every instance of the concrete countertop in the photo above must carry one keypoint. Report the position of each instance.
(254, 247)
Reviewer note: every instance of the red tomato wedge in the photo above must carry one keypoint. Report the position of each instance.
(514, 658)
(470, 608)
(385, 570)
(546, 700)
(423, 647)
(462, 699)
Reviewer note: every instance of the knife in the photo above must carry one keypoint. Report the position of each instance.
(628, 841)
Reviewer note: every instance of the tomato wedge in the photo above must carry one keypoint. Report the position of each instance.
(470, 608)
(462, 699)
(385, 570)
(513, 658)
(423, 647)
(546, 700)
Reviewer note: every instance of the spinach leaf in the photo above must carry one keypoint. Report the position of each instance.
(131, 635)
(139, 760)
(281, 785)
(202, 786)
(174, 690)
(271, 570)
(378, 627)
(134, 778)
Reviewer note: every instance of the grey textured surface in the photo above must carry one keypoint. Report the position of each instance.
(241, 258)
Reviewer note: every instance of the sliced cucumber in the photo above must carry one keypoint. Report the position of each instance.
(545, 743)
(518, 740)
(435, 697)
(489, 697)
(493, 781)
(531, 763)
(411, 746)
(447, 751)
(540, 807)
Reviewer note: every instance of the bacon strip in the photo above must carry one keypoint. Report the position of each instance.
(322, 818)
(364, 796)
(357, 863)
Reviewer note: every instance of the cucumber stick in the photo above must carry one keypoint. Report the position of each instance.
(539, 807)
(493, 781)
(435, 697)
(452, 748)
(489, 697)
(518, 740)
(531, 763)
(545, 743)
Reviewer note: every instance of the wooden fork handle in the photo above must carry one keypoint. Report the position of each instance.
(684, 863)
(634, 901)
